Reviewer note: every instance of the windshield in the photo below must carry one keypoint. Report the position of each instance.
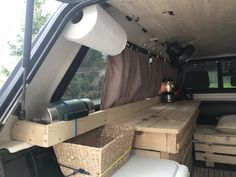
(12, 30)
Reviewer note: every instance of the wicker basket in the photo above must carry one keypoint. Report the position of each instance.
(99, 152)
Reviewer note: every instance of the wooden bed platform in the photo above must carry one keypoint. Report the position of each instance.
(164, 130)
(163, 127)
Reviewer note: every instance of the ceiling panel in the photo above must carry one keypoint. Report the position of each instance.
(210, 23)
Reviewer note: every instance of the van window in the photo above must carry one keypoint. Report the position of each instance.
(221, 74)
(88, 80)
(228, 71)
(211, 68)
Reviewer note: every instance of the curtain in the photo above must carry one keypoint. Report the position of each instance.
(130, 77)
(155, 77)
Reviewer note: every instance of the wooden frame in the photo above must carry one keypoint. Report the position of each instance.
(164, 127)
(213, 147)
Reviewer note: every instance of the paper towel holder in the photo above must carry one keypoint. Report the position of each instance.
(96, 29)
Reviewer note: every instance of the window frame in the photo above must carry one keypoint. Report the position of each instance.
(220, 88)
(69, 75)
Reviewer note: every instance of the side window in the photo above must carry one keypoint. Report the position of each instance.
(221, 73)
(210, 67)
(88, 80)
(228, 73)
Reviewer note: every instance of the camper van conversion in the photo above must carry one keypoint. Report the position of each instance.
(120, 88)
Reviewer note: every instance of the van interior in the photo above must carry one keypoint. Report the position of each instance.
(162, 72)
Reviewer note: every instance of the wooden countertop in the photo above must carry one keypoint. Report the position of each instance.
(163, 117)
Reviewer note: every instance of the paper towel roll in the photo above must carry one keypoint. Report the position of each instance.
(97, 30)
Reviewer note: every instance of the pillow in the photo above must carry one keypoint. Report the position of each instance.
(227, 124)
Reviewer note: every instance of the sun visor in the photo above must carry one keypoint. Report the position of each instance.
(96, 29)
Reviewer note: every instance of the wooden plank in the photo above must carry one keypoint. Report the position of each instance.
(146, 153)
(217, 158)
(223, 149)
(150, 140)
(181, 156)
(123, 111)
(171, 143)
(163, 118)
(208, 134)
(30, 132)
(49, 135)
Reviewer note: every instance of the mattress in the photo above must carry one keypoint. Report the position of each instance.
(138, 166)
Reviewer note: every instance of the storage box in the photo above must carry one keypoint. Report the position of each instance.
(213, 146)
(99, 152)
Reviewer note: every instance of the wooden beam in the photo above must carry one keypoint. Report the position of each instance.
(217, 158)
(150, 140)
(223, 149)
(49, 135)
(209, 135)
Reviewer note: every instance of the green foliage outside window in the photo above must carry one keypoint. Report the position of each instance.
(88, 80)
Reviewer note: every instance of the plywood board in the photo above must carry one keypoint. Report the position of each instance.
(208, 23)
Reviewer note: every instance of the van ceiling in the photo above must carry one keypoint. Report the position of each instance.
(209, 24)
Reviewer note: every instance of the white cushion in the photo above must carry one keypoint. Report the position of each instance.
(227, 124)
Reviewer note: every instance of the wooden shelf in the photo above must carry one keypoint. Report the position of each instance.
(49, 135)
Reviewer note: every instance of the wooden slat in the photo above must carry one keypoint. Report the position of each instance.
(223, 149)
(150, 140)
(216, 158)
(123, 111)
(208, 134)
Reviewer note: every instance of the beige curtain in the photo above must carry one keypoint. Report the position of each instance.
(129, 77)
(155, 77)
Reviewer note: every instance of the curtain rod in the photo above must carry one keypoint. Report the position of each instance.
(135, 47)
